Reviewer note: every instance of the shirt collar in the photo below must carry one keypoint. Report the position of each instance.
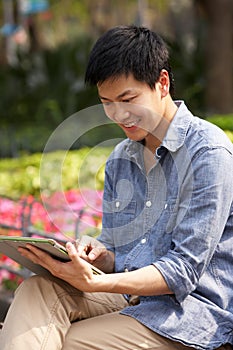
(178, 128)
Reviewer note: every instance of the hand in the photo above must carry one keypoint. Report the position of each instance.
(93, 251)
(76, 272)
(89, 248)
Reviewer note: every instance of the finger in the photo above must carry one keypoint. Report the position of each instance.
(89, 248)
(27, 254)
(83, 246)
(72, 251)
(79, 247)
(94, 253)
(77, 260)
(73, 254)
(38, 256)
(97, 250)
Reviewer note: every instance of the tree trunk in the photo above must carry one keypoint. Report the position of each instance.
(219, 55)
(3, 55)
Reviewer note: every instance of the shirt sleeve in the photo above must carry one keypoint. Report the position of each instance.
(206, 198)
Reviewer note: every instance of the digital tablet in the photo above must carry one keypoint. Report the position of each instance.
(9, 246)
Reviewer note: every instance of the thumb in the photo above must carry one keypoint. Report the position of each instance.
(72, 252)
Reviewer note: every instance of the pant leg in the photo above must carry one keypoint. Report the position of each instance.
(43, 309)
(115, 332)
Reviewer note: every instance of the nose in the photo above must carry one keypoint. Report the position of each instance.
(117, 111)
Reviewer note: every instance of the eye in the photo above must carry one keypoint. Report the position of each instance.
(129, 99)
(107, 103)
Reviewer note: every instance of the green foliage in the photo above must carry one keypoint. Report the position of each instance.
(229, 134)
(47, 87)
(225, 122)
(188, 70)
(40, 92)
(84, 167)
(11, 284)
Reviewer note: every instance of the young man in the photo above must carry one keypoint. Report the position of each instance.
(166, 244)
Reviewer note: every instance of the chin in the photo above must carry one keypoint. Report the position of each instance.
(136, 137)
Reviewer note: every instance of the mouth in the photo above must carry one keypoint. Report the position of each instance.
(131, 124)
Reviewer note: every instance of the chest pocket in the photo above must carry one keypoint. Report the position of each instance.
(124, 217)
(164, 227)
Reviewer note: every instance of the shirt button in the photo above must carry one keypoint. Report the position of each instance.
(117, 204)
(148, 204)
(126, 270)
(143, 240)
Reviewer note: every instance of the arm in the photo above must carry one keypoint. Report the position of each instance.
(79, 275)
(204, 208)
(144, 281)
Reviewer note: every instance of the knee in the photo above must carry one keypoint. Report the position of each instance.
(29, 283)
(44, 286)
(34, 285)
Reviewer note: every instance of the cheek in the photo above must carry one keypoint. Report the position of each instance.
(109, 111)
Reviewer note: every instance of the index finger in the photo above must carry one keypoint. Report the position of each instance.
(80, 247)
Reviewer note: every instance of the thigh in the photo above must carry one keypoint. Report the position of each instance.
(43, 310)
(115, 332)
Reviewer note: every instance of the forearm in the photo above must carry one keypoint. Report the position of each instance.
(145, 281)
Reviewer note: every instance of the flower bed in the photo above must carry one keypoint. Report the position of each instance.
(64, 216)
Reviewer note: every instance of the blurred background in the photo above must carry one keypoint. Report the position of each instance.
(44, 45)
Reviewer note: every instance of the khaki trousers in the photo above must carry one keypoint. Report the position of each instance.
(49, 314)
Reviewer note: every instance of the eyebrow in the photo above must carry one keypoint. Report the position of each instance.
(126, 92)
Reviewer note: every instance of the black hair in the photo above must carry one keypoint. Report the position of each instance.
(128, 50)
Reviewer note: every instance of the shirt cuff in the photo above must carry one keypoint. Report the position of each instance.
(178, 274)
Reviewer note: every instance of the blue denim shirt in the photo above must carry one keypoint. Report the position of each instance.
(178, 217)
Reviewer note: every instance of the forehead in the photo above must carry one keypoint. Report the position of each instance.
(120, 86)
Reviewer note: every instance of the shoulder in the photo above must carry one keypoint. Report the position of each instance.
(203, 135)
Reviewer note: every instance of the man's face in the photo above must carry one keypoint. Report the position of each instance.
(133, 105)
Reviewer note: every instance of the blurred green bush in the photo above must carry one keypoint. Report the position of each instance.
(225, 122)
(84, 168)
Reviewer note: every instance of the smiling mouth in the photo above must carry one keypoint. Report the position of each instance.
(131, 124)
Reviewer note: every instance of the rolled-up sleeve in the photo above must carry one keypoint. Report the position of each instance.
(205, 202)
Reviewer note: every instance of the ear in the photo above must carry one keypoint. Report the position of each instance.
(164, 82)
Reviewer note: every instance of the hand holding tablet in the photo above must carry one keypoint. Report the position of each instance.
(9, 246)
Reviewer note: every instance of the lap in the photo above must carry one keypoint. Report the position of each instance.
(115, 332)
